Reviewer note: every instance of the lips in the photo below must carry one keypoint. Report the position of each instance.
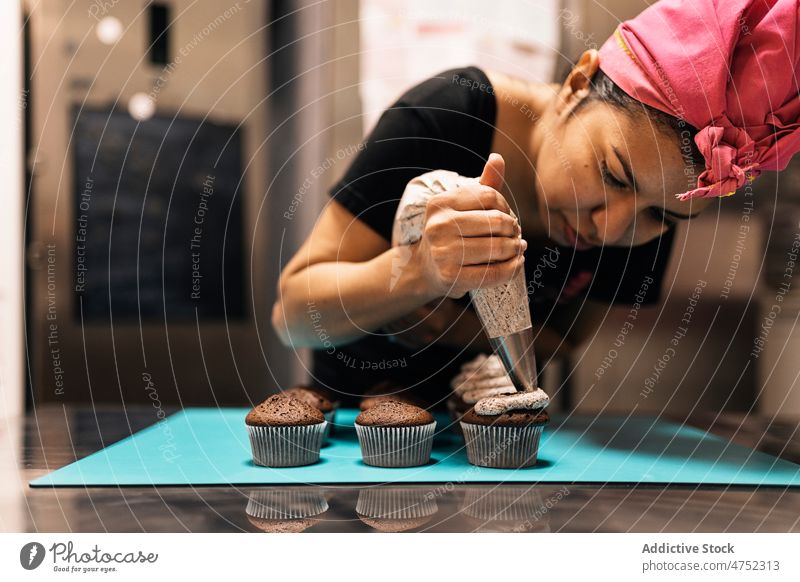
(574, 239)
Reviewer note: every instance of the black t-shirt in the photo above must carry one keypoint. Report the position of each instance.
(447, 122)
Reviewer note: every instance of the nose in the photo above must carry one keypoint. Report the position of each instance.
(612, 219)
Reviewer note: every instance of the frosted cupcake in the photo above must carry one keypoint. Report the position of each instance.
(482, 377)
(395, 434)
(504, 431)
(285, 432)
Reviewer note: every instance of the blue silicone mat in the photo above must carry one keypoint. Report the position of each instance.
(203, 446)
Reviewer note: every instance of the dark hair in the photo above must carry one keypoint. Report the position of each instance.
(604, 90)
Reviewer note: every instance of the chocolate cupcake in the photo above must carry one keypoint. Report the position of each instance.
(395, 434)
(285, 432)
(504, 431)
(316, 399)
(387, 390)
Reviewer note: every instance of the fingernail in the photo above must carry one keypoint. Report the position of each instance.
(524, 244)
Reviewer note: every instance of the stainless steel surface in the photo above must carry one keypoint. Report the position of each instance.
(518, 357)
(55, 435)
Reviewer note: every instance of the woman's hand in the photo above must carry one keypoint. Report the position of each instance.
(470, 239)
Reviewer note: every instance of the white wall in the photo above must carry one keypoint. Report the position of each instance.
(404, 42)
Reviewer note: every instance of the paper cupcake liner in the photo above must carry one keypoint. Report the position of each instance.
(285, 504)
(502, 503)
(502, 447)
(396, 446)
(286, 446)
(395, 503)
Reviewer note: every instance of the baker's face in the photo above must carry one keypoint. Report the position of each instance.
(606, 177)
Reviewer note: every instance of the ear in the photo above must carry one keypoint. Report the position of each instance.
(576, 87)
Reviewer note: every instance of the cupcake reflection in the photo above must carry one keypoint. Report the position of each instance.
(285, 510)
(506, 508)
(395, 509)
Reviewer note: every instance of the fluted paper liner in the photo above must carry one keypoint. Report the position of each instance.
(395, 503)
(286, 446)
(285, 504)
(502, 447)
(396, 446)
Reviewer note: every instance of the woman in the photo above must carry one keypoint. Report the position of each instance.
(685, 103)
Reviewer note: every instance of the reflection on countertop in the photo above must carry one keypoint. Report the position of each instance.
(55, 436)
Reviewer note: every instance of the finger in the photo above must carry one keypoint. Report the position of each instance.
(493, 172)
(486, 223)
(472, 197)
(490, 275)
(481, 250)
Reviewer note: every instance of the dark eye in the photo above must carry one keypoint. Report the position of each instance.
(609, 178)
(658, 215)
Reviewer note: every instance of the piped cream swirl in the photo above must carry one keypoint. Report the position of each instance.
(535, 399)
(482, 377)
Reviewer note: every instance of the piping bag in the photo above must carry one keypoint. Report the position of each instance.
(503, 310)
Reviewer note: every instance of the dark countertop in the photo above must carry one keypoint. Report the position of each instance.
(54, 436)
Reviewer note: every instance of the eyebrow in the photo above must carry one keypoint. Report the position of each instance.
(626, 168)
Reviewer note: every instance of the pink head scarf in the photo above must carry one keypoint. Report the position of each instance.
(729, 68)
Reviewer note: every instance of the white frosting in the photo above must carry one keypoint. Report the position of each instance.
(535, 399)
(473, 396)
(482, 373)
(480, 360)
(483, 363)
(471, 383)
(484, 376)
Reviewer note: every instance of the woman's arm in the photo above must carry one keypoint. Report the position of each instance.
(346, 281)
(336, 287)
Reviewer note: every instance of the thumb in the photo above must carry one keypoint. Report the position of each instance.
(493, 172)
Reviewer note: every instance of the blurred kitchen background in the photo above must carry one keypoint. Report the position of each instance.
(160, 163)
